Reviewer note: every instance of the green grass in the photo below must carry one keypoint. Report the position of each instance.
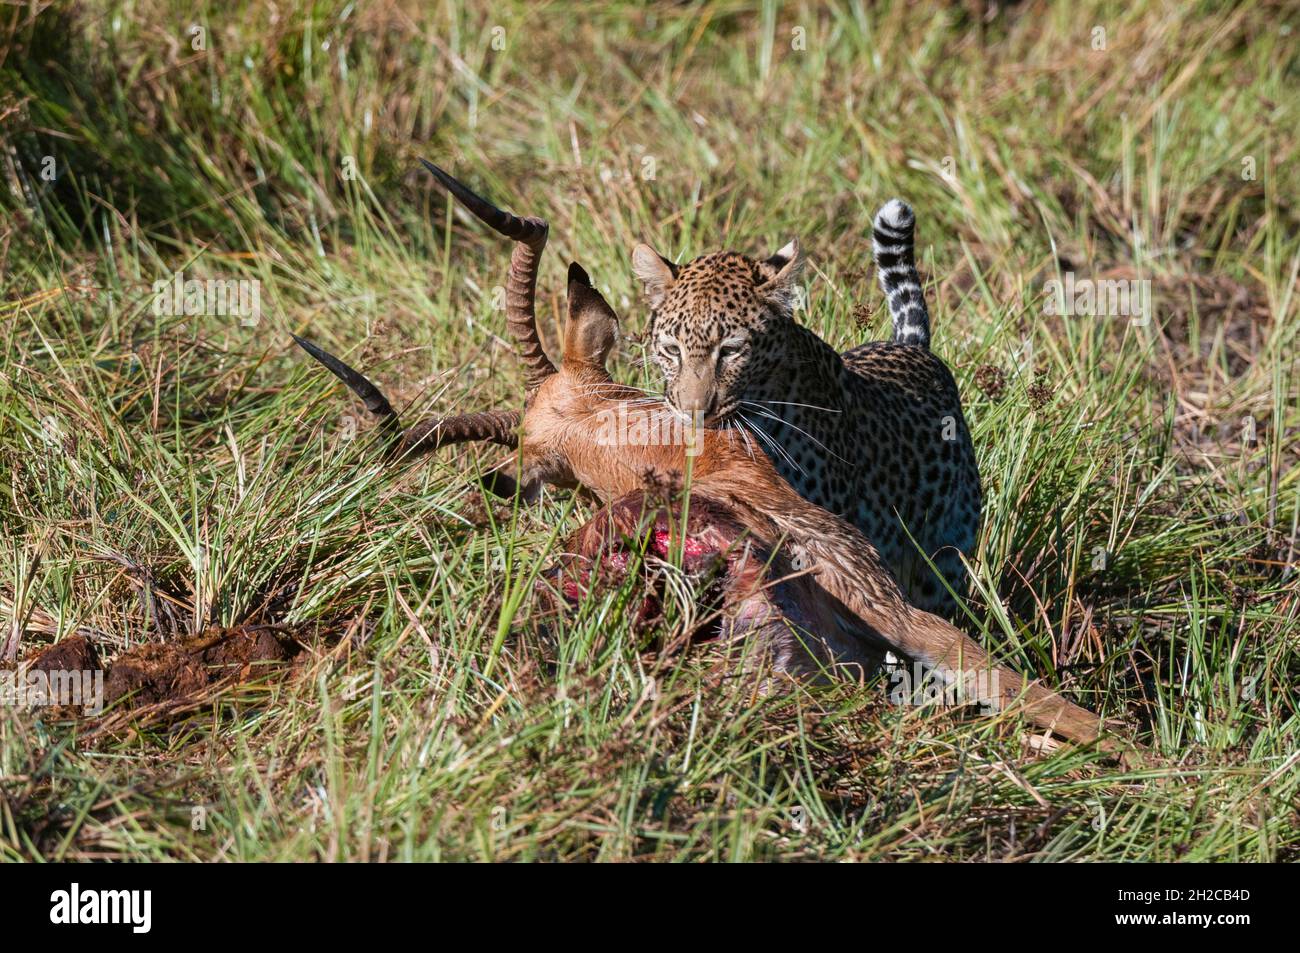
(1138, 550)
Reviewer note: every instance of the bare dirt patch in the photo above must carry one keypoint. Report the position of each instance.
(177, 670)
(175, 673)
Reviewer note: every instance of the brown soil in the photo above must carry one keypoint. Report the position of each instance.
(175, 671)
(74, 654)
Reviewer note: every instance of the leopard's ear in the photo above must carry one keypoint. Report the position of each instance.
(656, 272)
(790, 253)
(785, 266)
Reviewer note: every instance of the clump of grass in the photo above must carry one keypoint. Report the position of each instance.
(163, 474)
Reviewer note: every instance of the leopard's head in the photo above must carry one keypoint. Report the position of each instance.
(717, 324)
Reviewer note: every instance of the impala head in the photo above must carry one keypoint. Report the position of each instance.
(556, 402)
(717, 324)
(566, 405)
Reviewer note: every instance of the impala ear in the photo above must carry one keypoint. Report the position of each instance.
(592, 327)
(656, 272)
(785, 267)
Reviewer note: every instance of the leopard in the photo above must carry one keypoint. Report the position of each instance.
(875, 434)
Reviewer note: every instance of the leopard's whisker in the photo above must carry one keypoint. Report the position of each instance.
(744, 433)
(769, 441)
(796, 428)
(795, 403)
(749, 442)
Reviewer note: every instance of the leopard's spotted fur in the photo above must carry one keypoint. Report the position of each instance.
(875, 434)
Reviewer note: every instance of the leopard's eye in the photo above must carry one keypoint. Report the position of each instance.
(729, 350)
(671, 351)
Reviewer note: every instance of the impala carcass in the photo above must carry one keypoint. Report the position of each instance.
(805, 586)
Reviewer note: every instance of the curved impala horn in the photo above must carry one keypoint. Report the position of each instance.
(529, 235)
(359, 384)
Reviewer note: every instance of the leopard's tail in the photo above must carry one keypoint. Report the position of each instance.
(896, 266)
